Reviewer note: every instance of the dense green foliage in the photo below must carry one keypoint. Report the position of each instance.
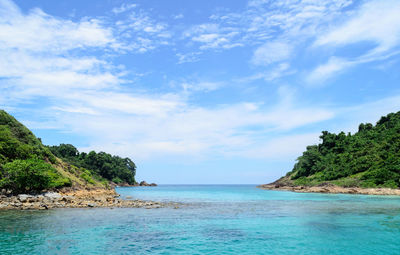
(31, 175)
(25, 164)
(18, 142)
(368, 158)
(113, 168)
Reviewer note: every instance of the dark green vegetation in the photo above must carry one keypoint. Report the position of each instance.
(114, 168)
(368, 158)
(27, 166)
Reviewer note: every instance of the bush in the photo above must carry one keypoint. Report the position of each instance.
(30, 175)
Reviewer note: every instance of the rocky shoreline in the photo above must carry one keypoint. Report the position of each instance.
(75, 199)
(330, 188)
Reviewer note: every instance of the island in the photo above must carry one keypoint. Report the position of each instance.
(35, 176)
(366, 162)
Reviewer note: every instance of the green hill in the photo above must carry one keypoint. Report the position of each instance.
(27, 166)
(369, 158)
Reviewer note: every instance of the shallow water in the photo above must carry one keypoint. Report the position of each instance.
(215, 219)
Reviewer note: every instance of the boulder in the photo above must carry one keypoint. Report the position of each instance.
(52, 195)
(24, 198)
(143, 183)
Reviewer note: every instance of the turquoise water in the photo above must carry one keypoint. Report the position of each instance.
(215, 219)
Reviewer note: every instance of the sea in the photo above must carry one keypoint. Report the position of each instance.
(212, 219)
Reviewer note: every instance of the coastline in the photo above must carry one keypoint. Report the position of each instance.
(333, 189)
(94, 198)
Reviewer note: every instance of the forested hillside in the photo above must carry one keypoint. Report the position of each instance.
(114, 168)
(27, 166)
(368, 158)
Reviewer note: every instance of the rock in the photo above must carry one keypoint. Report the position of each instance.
(143, 183)
(24, 198)
(128, 197)
(52, 195)
(91, 204)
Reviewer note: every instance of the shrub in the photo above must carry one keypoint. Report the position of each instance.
(30, 175)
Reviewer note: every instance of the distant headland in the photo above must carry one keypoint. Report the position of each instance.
(367, 162)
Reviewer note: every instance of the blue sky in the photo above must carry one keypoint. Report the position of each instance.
(199, 91)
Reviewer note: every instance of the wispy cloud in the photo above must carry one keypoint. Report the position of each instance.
(275, 30)
(375, 22)
(270, 53)
(325, 71)
(143, 32)
(123, 8)
(212, 36)
(84, 93)
(178, 16)
(188, 57)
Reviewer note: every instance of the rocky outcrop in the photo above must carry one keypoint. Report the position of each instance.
(75, 199)
(136, 184)
(331, 188)
(144, 183)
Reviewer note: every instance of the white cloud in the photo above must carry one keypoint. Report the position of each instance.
(178, 16)
(36, 58)
(376, 22)
(39, 32)
(188, 57)
(152, 127)
(284, 147)
(83, 94)
(276, 29)
(212, 36)
(142, 31)
(271, 52)
(327, 70)
(202, 86)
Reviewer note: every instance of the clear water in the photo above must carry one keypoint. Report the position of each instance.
(220, 219)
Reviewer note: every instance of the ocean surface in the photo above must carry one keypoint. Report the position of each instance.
(213, 219)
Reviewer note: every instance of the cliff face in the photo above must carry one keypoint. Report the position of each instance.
(370, 158)
(27, 166)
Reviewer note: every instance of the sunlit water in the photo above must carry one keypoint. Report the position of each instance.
(218, 219)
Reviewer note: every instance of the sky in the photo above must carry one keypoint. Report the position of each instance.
(207, 92)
